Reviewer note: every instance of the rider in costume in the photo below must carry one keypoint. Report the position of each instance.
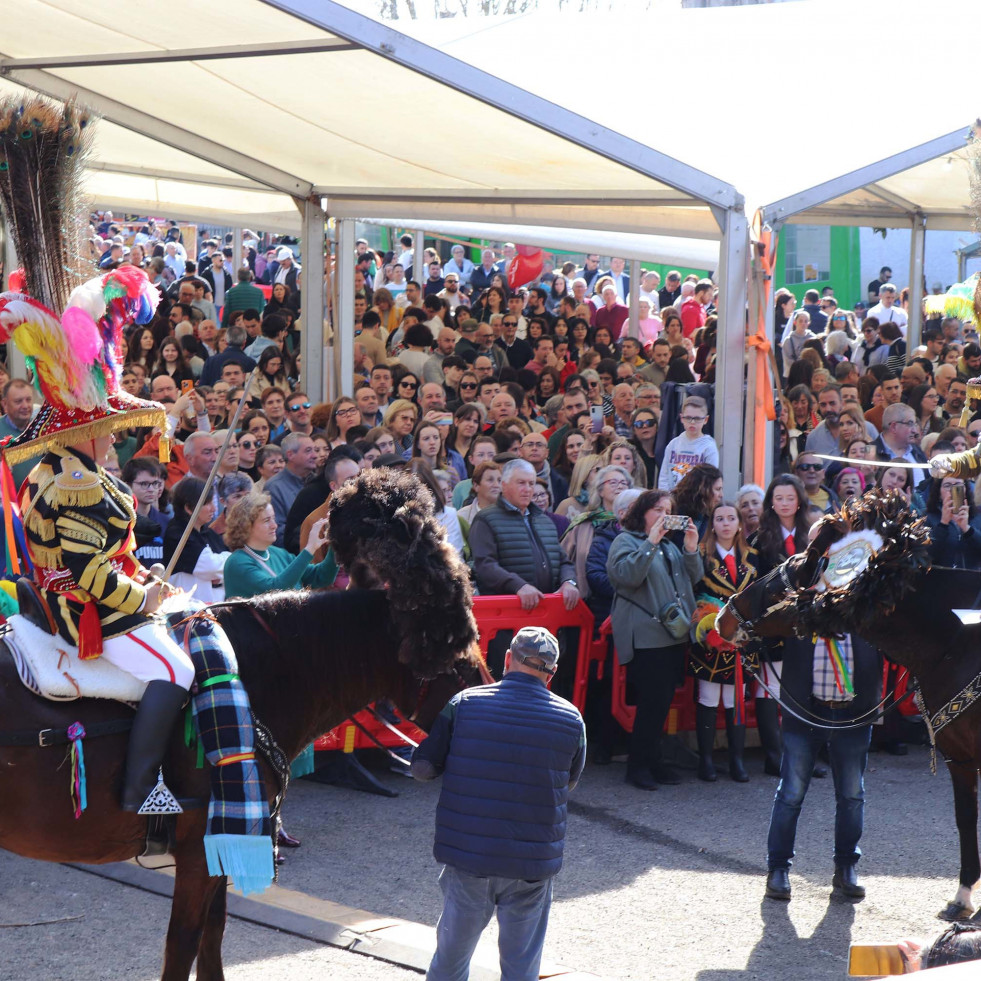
(79, 519)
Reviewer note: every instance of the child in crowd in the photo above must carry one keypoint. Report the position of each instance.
(691, 447)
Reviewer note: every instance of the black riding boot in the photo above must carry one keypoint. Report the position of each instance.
(736, 737)
(155, 719)
(705, 731)
(768, 726)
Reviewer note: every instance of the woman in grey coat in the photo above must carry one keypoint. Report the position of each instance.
(649, 574)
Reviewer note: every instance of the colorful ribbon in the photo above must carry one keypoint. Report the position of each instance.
(76, 733)
(764, 242)
(843, 678)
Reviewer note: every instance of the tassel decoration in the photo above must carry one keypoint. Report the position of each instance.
(80, 801)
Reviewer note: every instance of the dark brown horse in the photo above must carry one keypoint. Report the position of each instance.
(903, 606)
(324, 656)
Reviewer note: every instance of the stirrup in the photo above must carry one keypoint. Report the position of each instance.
(160, 800)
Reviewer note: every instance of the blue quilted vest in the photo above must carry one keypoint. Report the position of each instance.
(502, 809)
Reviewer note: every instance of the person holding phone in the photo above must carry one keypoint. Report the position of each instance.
(653, 604)
(955, 525)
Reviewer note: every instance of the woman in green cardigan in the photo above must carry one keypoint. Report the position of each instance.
(257, 566)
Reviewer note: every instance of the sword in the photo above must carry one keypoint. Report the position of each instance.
(206, 493)
(902, 464)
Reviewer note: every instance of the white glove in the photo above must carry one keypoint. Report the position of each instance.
(940, 466)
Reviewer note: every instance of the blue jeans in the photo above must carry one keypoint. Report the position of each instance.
(848, 752)
(468, 904)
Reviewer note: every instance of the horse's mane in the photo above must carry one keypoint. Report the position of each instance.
(891, 572)
(385, 534)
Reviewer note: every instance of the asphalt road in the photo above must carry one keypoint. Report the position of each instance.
(663, 885)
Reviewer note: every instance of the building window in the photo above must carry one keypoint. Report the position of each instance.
(807, 253)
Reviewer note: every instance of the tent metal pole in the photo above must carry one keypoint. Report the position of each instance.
(634, 298)
(236, 253)
(917, 247)
(749, 421)
(313, 305)
(731, 348)
(418, 247)
(344, 324)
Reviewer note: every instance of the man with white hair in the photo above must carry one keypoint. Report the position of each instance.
(620, 279)
(612, 315)
(459, 265)
(174, 258)
(516, 549)
(481, 276)
(895, 442)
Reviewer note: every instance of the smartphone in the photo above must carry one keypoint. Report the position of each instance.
(958, 495)
(596, 418)
(676, 522)
(187, 386)
(444, 420)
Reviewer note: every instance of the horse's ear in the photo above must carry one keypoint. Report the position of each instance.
(406, 523)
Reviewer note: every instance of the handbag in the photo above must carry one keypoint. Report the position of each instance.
(672, 615)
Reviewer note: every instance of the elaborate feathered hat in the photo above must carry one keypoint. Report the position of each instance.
(74, 356)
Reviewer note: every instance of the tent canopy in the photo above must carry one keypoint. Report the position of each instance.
(376, 122)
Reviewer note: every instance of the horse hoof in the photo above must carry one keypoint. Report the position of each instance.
(954, 912)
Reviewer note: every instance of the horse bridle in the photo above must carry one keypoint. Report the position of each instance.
(748, 625)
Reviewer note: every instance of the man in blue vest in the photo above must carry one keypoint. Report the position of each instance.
(501, 817)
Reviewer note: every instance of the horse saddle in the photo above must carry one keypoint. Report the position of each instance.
(49, 666)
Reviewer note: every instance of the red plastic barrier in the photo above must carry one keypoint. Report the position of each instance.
(496, 613)
(493, 613)
(347, 737)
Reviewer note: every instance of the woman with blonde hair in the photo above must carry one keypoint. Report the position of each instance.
(622, 453)
(384, 306)
(586, 468)
(400, 421)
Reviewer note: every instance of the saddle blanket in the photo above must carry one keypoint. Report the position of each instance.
(51, 668)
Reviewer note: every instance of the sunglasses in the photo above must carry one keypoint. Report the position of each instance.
(468, 385)
(300, 405)
(510, 323)
(810, 466)
(246, 444)
(412, 385)
(644, 424)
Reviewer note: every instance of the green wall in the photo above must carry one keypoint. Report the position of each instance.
(845, 269)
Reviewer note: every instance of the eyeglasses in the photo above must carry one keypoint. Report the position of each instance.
(594, 384)
(244, 444)
(693, 418)
(868, 330)
(468, 385)
(510, 323)
(616, 482)
(644, 424)
(904, 422)
(149, 484)
(412, 385)
(839, 320)
(810, 466)
(350, 410)
(300, 405)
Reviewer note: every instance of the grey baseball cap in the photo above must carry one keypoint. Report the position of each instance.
(537, 648)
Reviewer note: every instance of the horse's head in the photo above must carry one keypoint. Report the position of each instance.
(385, 534)
(767, 608)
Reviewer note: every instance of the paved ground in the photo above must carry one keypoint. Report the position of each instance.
(662, 885)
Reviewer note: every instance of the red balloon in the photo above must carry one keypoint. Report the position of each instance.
(525, 266)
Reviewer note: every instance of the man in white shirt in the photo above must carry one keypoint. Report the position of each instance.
(649, 284)
(406, 253)
(451, 290)
(459, 264)
(886, 311)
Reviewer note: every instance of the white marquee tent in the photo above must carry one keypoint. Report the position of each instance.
(309, 105)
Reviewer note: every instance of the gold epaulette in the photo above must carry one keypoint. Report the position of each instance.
(76, 485)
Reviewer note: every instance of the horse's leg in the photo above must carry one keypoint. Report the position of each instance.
(965, 780)
(209, 949)
(194, 891)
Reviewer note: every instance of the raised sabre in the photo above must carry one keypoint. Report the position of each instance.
(903, 464)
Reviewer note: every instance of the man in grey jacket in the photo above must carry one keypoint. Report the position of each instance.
(516, 551)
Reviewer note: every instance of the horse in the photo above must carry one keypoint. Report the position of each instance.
(308, 660)
(903, 605)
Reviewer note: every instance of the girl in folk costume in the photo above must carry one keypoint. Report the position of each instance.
(78, 518)
(730, 565)
(782, 533)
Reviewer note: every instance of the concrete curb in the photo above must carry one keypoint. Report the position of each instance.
(390, 939)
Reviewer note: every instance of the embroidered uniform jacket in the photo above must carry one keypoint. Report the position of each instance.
(79, 524)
